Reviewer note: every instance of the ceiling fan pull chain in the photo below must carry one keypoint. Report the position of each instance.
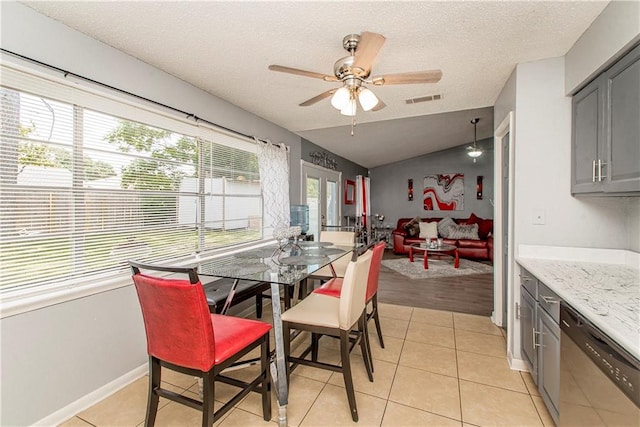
(353, 124)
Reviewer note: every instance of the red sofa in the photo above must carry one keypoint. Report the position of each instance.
(481, 249)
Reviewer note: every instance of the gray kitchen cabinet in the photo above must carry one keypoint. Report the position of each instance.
(539, 314)
(548, 345)
(605, 143)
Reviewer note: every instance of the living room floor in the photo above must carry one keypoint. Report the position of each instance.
(438, 368)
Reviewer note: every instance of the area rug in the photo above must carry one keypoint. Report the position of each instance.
(437, 267)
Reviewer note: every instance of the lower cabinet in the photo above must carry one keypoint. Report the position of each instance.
(539, 314)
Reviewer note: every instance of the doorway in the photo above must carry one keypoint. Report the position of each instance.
(503, 222)
(321, 189)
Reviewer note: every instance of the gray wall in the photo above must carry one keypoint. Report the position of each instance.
(389, 183)
(347, 167)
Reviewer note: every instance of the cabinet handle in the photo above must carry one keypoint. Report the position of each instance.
(535, 343)
(600, 165)
(549, 300)
(525, 278)
(593, 171)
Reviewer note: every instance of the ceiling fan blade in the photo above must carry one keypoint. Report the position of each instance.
(415, 77)
(367, 50)
(317, 98)
(304, 73)
(379, 106)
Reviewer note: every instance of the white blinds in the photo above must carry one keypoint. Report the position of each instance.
(86, 187)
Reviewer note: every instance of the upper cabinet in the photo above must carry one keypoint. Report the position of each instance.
(606, 131)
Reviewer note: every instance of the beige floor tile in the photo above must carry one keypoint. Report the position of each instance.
(328, 352)
(302, 393)
(490, 406)
(471, 322)
(427, 391)
(332, 409)
(175, 414)
(543, 412)
(430, 334)
(382, 378)
(75, 422)
(432, 358)
(239, 418)
(528, 381)
(405, 416)
(474, 342)
(391, 327)
(433, 317)
(125, 407)
(489, 370)
(390, 352)
(177, 379)
(398, 312)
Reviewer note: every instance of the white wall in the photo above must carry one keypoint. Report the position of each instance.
(53, 356)
(615, 30)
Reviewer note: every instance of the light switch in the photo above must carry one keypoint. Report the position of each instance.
(538, 217)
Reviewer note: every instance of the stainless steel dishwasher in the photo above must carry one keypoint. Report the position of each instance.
(599, 380)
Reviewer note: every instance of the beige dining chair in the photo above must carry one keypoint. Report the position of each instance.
(343, 318)
(338, 238)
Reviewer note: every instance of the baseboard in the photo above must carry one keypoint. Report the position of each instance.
(92, 398)
(516, 364)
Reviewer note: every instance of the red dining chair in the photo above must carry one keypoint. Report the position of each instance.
(183, 336)
(333, 287)
(336, 317)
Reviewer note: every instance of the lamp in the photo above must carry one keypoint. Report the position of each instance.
(347, 97)
(340, 98)
(473, 151)
(367, 99)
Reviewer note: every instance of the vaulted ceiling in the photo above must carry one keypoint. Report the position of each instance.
(225, 47)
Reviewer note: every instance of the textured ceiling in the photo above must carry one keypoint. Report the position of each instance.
(225, 47)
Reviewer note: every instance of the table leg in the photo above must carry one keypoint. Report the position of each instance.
(457, 262)
(410, 254)
(426, 263)
(278, 366)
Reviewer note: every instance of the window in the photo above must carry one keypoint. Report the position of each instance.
(88, 183)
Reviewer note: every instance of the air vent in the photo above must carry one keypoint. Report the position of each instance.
(435, 97)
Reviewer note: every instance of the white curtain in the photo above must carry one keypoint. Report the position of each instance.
(273, 162)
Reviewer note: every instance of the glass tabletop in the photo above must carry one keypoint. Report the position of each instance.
(269, 264)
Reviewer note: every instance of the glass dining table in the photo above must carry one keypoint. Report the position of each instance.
(282, 265)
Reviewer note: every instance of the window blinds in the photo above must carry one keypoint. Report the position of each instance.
(89, 182)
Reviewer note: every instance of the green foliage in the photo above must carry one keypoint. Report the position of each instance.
(39, 154)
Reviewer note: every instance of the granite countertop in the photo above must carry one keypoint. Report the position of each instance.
(606, 293)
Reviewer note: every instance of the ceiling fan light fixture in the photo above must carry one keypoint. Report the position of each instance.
(367, 99)
(350, 109)
(340, 99)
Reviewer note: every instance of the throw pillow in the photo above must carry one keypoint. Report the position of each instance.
(428, 230)
(411, 228)
(464, 231)
(443, 226)
(485, 226)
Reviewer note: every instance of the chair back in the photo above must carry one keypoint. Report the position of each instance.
(176, 317)
(340, 238)
(374, 270)
(354, 289)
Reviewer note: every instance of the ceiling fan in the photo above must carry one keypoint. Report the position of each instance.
(354, 72)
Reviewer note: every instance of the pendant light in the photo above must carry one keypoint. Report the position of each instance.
(473, 151)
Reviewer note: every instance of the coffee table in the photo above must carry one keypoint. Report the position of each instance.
(442, 249)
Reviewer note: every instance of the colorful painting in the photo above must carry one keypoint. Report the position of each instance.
(444, 192)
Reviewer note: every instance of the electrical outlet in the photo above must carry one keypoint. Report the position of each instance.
(538, 217)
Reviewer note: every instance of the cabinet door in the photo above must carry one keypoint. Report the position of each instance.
(622, 129)
(528, 309)
(587, 137)
(549, 362)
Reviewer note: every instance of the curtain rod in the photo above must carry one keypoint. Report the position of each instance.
(69, 73)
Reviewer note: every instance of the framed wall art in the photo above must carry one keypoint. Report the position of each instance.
(349, 192)
(444, 192)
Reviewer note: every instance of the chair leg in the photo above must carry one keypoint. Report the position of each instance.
(266, 383)
(346, 373)
(259, 306)
(364, 345)
(315, 338)
(376, 318)
(286, 331)
(208, 391)
(153, 398)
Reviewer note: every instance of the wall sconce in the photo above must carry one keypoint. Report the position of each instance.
(479, 188)
(410, 189)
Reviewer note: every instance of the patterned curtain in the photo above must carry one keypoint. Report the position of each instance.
(274, 178)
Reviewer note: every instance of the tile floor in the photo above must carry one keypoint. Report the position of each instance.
(438, 368)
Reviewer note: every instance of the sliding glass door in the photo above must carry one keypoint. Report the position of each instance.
(321, 192)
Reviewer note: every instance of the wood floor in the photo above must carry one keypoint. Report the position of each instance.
(471, 294)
